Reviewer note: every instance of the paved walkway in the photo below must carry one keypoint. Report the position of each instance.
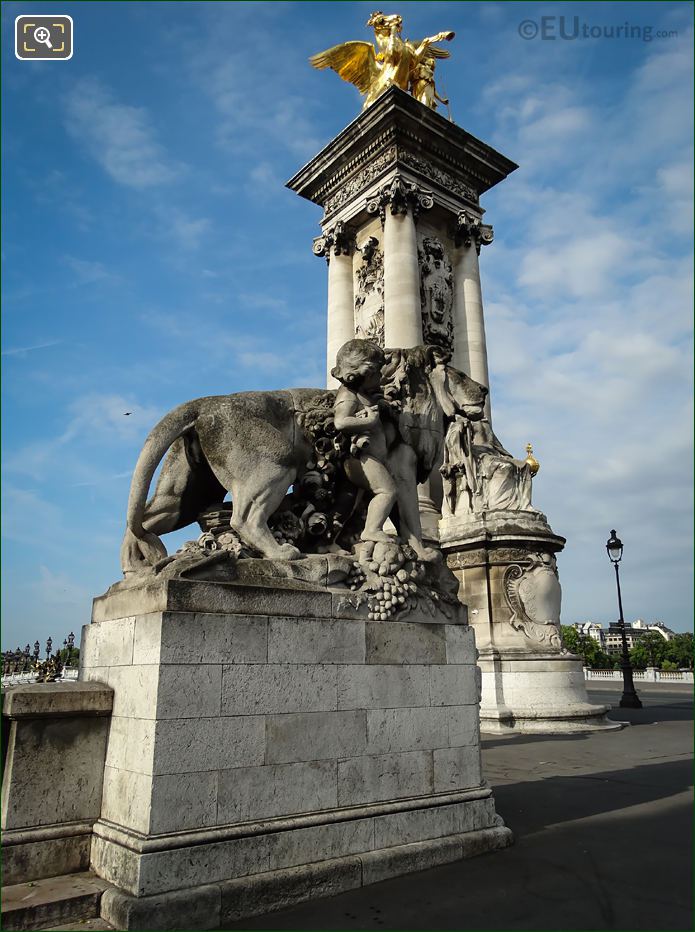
(603, 826)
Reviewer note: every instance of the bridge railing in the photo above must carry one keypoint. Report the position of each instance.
(650, 675)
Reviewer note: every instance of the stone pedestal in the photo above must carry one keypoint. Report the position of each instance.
(53, 771)
(505, 564)
(269, 745)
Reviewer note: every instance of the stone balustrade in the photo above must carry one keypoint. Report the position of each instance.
(650, 675)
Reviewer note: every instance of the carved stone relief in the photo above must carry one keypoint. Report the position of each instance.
(436, 293)
(369, 293)
(534, 595)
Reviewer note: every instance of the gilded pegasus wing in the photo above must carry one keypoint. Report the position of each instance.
(355, 62)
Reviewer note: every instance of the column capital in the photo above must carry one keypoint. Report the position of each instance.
(400, 196)
(336, 240)
(471, 230)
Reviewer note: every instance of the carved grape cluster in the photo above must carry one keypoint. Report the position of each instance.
(393, 595)
(386, 577)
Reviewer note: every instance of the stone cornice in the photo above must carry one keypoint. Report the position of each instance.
(399, 132)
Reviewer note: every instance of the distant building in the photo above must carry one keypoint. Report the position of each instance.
(611, 640)
(593, 630)
(665, 632)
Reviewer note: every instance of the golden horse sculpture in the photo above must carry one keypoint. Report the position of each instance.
(397, 61)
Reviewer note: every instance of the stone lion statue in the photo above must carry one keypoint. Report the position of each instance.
(266, 449)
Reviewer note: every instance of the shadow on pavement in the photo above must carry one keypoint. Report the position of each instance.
(532, 805)
(582, 876)
(605, 849)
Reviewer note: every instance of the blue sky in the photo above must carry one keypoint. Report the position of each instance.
(152, 254)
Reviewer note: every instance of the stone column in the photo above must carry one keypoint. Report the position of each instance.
(335, 246)
(402, 316)
(399, 204)
(470, 349)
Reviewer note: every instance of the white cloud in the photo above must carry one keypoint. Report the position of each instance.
(187, 232)
(88, 272)
(589, 321)
(583, 266)
(119, 136)
(22, 351)
(93, 422)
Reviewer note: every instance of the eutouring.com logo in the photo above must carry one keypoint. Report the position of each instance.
(572, 28)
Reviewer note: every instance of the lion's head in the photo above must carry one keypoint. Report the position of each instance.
(429, 392)
(456, 392)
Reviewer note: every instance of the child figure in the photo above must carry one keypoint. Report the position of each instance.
(356, 412)
(422, 84)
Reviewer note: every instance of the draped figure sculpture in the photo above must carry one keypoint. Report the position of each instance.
(479, 475)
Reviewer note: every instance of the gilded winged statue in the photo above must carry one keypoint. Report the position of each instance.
(396, 61)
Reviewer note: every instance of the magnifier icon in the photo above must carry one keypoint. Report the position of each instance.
(43, 35)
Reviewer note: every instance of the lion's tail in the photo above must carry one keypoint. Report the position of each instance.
(139, 545)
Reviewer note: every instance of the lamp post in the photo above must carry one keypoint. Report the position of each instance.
(630, 699)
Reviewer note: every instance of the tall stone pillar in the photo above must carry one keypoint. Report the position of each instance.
(335, 246)
(399, 204)
(470, 348)
(401, 177)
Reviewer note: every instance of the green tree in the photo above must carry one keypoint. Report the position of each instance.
(570, 638)
(679, 651)
(649, 651)
(587, 647)
(69, 656)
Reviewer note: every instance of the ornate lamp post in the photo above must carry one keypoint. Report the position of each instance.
(630, 699)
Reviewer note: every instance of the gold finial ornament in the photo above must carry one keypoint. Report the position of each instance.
(531, 460)
(395, 61)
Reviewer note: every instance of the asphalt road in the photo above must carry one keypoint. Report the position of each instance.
(603, 826)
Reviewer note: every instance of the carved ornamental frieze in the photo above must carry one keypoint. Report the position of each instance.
(439, 176)
(436, 293)
(353, 186)
(400, 196)
(471, 230)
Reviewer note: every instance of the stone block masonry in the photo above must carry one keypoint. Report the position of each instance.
(248, 749)
(56, 737)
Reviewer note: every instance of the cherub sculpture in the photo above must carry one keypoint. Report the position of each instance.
(359, 404)
(396, 61)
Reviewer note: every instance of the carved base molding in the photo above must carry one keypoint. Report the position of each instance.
(540, 692)
(213, 905)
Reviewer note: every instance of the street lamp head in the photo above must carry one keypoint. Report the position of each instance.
(614, 547)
